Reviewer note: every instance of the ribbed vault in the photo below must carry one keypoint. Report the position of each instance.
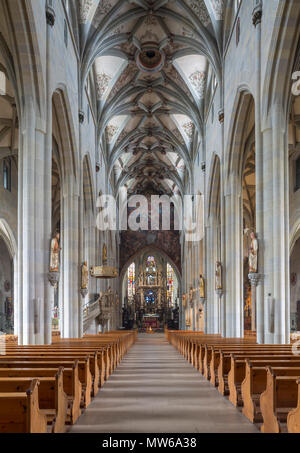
(152, 65)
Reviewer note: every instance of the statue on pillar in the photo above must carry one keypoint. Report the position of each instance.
(219, 284)
(253, 253)
(84, 276)
(54, 253)
(104, 255)
(202, 287)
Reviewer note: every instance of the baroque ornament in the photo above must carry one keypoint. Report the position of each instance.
(103, 8)
(111, 131)
(102, 84)
(85, 7)
(199, 8)
(189, 129)
(198, 80)
(218, 8)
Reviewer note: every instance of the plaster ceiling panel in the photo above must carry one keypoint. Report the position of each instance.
(107, 70)
(113, 128)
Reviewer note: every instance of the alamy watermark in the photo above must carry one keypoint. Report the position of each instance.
(154, 213)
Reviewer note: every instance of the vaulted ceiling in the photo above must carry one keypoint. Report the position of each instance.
(154, 65)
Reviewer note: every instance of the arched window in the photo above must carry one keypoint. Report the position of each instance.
(131, 281)
(7, 174)
(2, 84)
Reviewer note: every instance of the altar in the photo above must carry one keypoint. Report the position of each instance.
(150, 321)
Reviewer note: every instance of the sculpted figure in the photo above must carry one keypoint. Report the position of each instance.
(54, 253)
(219, 275)
(202, 287)
(84, 276)
(253, 252)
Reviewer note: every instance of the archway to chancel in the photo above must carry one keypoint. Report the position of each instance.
(151, 288)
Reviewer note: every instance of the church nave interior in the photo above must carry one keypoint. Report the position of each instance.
(149, 216)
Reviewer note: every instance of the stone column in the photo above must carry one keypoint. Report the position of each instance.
(212, 305)
(33, 239)
(72, 316)
(233, 266)
(255, 280)
(276, 223)
(259, 158)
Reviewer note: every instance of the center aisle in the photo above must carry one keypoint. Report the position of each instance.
(155, 390)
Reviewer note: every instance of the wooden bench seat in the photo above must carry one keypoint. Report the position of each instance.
(53, 401)
(72, 384)
(85, 376)
(225, 366)
(293, 419)
(278, 400)
(20, 413)
(67, 355)
(237, 371)
(255, 383)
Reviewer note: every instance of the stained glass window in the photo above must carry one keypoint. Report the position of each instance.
(170, 284)
(131, 281)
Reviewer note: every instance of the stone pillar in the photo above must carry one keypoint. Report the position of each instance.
(212, 305)
(255, 280)
(276, 227)
(233, 266)
(259, 161)
(72, 316)
(34, 321)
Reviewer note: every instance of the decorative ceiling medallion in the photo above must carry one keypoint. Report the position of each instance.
(150, 59)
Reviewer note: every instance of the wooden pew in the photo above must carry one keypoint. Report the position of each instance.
(96, 355)
(226, 366)
(255, 383)
(237, 371)
(85, 376)
(65, 355)
(20, 413)
(278, 400)
(53, 402)
(72, 384)
(293, 419)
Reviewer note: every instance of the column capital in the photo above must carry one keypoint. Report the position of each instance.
(255, 279)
